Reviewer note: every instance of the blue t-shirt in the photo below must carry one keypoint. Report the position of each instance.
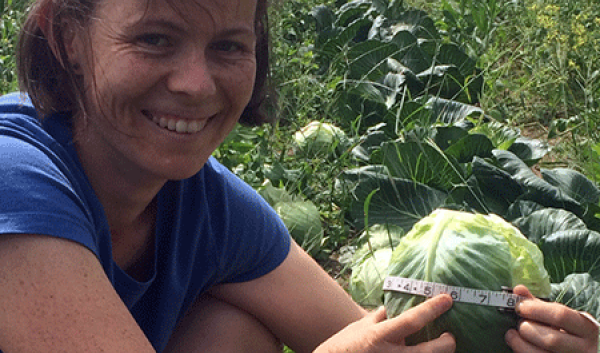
(211, 228)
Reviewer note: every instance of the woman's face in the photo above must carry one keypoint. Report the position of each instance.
(164, 84)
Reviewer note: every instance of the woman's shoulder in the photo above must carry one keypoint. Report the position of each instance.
(18, 118)
(216, 176)
(17, 103)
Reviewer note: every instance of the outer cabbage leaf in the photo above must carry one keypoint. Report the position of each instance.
(580, 292)
(366, 282)
(370, 263)
(397, 201)
(467, 250)
(571, 251)
(378, 236)
(575, 184)
(547, 221)
(274, 195)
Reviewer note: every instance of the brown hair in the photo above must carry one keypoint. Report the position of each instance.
(45, 74)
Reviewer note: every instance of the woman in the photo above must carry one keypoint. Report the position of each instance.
(122, 234)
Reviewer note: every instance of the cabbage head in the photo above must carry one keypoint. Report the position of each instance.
(321, 139)
(370, 263)
(366, 281)
(303, 221)
(468, 250)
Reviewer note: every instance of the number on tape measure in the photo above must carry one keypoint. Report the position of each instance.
(501, 299)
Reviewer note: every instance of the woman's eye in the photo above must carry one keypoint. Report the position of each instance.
(227, 46)
(154, 40)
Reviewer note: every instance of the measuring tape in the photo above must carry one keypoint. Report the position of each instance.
(501, 299)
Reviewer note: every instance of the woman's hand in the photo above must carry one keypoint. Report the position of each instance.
(374, 333)
(551, 327)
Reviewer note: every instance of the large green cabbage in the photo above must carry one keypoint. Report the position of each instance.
(467, 250)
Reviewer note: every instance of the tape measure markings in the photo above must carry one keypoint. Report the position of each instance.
(498, 299)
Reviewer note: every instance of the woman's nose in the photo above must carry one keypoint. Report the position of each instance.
(192, 76)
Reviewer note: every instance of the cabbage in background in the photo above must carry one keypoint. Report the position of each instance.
(320, 139)
(303, 221)
(467, 250)
(301, 217)
(370, 263)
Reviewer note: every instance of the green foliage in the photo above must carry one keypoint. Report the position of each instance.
(11, 13)
(370, 263)
(390, 60)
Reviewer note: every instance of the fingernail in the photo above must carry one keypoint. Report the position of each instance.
(510, 335)
(519, 307)
(447, 334)
(445, 304)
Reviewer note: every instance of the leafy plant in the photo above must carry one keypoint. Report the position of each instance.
(473, 251)
(11, 14)
(370, 263)
(391, 59)
(319, 138)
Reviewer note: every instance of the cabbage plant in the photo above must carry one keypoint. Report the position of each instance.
(321, 139)
(301, 217)
(370, 263)
(303, 221)
(467, 250)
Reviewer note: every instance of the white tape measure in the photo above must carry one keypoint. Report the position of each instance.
(500, 299)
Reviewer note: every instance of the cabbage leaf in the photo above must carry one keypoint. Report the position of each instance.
(468, 250)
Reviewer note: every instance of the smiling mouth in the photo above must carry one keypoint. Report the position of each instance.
(172, 123)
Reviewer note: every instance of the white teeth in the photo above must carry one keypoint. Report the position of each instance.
(179, 125)
(193, 127)
(163, 122)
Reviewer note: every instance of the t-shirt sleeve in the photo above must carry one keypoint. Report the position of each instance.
(37, 196)
(258, 240)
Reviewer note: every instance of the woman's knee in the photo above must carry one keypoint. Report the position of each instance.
(213, 325)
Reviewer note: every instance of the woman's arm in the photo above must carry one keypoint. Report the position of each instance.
(298, 301)
(55, 297)
(551, 327)
(303, 306)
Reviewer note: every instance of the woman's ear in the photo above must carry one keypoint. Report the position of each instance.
(64, 34)
(73, 46)
(45, 21)
(44, 18)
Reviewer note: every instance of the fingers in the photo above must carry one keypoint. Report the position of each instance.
(444, 344)
(373, 317)
(522, 291)
(551, 326)
(558, 316)
(370, 319)
(378, 315)
(552, 339)
(519, 345)
(411, 321)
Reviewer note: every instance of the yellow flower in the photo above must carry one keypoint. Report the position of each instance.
(572, 64)
(552, 9)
